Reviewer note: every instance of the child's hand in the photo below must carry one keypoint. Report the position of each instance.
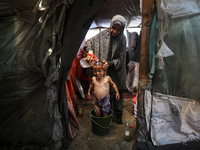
(89, 96)
(117, 96)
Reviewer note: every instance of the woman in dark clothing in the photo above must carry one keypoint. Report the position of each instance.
(110, 47)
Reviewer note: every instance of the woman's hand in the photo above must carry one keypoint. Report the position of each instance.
(105, 65)
(89, 58)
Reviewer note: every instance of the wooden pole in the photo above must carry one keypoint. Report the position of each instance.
(147, 18)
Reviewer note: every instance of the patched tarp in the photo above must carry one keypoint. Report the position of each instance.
(38, 43)
(178, 43)
(172, 118)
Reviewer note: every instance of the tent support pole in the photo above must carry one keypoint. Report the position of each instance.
(147, 18)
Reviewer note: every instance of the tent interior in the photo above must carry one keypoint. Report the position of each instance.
(41, 43)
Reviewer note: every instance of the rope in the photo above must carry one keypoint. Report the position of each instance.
(147, 86)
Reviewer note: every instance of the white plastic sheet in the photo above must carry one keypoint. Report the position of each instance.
(178, 8)
(164, 51)
(172, 119)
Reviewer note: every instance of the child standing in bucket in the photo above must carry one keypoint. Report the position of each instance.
(101, 85)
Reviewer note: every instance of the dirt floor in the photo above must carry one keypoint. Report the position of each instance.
(114, 140)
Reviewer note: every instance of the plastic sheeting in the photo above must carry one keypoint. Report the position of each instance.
(178, 8)
(176, 65)
(172, 112)
(39, 40)
(171, 119)
(28, 95)
(130, 9)
(178, 43)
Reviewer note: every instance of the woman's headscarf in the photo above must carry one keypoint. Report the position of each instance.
(118, 19)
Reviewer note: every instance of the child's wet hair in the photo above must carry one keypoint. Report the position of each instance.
(98, 63)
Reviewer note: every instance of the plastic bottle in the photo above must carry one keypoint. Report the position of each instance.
(80, 112)
(127, 131)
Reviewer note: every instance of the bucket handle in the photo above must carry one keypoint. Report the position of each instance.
(100, 125)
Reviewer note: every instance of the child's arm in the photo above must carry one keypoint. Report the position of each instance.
(90, 88)
(115, 88)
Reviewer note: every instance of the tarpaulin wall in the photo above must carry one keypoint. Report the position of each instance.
(39, 40)
(173, 105)
(178, 44)
(176, 73)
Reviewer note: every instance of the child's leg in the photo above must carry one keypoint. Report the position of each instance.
(98, 110)
(104, 114)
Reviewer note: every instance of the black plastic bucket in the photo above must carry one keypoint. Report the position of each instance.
(100, 125)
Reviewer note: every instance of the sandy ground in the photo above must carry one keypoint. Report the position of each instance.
(114, 140)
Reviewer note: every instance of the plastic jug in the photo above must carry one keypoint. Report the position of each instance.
(85, 64)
